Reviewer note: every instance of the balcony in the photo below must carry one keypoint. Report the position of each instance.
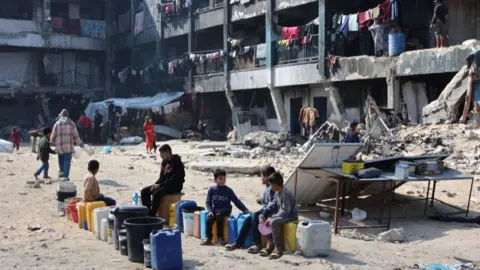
(296, 52)
(251, 57)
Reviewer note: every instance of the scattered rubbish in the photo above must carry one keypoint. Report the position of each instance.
(130, 141)
(167, 131)
(393, 235)
(107, 149)
(22, 193)
(359, 214)
(6, 147)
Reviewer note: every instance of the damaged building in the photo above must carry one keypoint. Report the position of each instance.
(52, 56)
(253, 64)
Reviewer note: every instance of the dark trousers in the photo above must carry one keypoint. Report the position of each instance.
(84, 134)
(152, 199)
(108, 201)
(96, 134)
(250, 223)
(218, 217)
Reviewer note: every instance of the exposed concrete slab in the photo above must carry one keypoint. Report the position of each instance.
(55, 41)
(205, 145)
(210, 18)
(361, 68)
(432, 61)
(248, 79)
(243, 12)
(208, 83)
(447, 105)
(233, 166)
(297, 74)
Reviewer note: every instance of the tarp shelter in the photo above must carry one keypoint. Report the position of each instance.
(141, 103)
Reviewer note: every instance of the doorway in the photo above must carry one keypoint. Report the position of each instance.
(320, 103)
(296, 105)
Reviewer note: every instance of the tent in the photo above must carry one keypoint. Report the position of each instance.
(139, 103)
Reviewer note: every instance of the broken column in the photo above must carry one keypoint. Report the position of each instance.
(415, 98)
(337, 104)
(393, 92)
(274, 92)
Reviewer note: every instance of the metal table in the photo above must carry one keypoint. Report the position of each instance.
(341, 179)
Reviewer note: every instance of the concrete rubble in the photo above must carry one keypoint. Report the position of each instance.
(393, 236)
(447, 106)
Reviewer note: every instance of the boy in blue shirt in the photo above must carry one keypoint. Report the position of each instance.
(281, 211)
(219, 199)
(252, 220)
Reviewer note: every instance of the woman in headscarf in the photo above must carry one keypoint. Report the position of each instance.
(149, 133)
(473, 89)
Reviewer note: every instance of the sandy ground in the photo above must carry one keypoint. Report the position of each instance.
(128, 169)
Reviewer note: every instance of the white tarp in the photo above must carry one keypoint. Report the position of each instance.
(141, 103)
(6, 146)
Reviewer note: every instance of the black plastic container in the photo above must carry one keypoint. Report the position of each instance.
(122, 213)
(123, 242)
(138, 229)
(63, 195)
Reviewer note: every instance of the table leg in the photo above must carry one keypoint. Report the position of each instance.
(469, 198)
(433, 193)
(382, 202)
(426, 199)
(344, 191)
(391, 205)
(337, 206)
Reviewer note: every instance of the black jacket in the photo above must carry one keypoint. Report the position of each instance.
(172, 175)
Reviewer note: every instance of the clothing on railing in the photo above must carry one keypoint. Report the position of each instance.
(74, 27)
(59, 24)
(93, 28)
(261, 52)
(139, 17)
(290, 32)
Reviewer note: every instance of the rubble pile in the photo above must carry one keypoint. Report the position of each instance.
(265, 139)
(460, 142)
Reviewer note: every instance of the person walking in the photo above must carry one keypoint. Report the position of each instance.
(85, 125)
(97, 122)
(64, 137)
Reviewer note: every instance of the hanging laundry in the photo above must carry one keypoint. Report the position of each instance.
(363, 19)
(58, 25)
(344, 26)
(353, 23)
(123, 75)
(186, 4)
(290, 32)
(244, 2)
(380, 38)
(394, 8)
(74, 27)
(261, 51)
(124, 22)
(335, 21)
(74, 11)
(139, 17)
(93, 28)
(171, 68)
(385, 8)
(375, 13)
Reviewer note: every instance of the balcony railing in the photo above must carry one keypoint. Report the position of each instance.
(209, 67)
(254, 57)
(204, 5)
(70, 78)
(298, 52)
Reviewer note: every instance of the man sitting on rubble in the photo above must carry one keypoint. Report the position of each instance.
(473, 64)
(352, 135)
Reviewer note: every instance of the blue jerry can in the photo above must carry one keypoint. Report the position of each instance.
(249, 239)
(166, 249)
(232, 228)
(203, 224)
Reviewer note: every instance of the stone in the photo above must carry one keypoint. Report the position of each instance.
(48, 182)
(30, 182)
(36, 185)
(393, 235)
(410, 192)
(451, 194)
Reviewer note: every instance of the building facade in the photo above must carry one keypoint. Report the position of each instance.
(52, 55)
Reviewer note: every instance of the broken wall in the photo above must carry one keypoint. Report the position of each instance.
(18, 67)
(415, 99)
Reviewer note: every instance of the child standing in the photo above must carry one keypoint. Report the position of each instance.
(15, 138)
(91, 189)
(284, 210)
(219, 199)
(251, 222)
(44, 152)
(149, 133)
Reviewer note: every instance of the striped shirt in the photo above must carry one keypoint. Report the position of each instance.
(64, 136)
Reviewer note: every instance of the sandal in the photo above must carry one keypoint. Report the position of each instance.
(265, 252)
(253, 249)
(230, 247)
(275, 255)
